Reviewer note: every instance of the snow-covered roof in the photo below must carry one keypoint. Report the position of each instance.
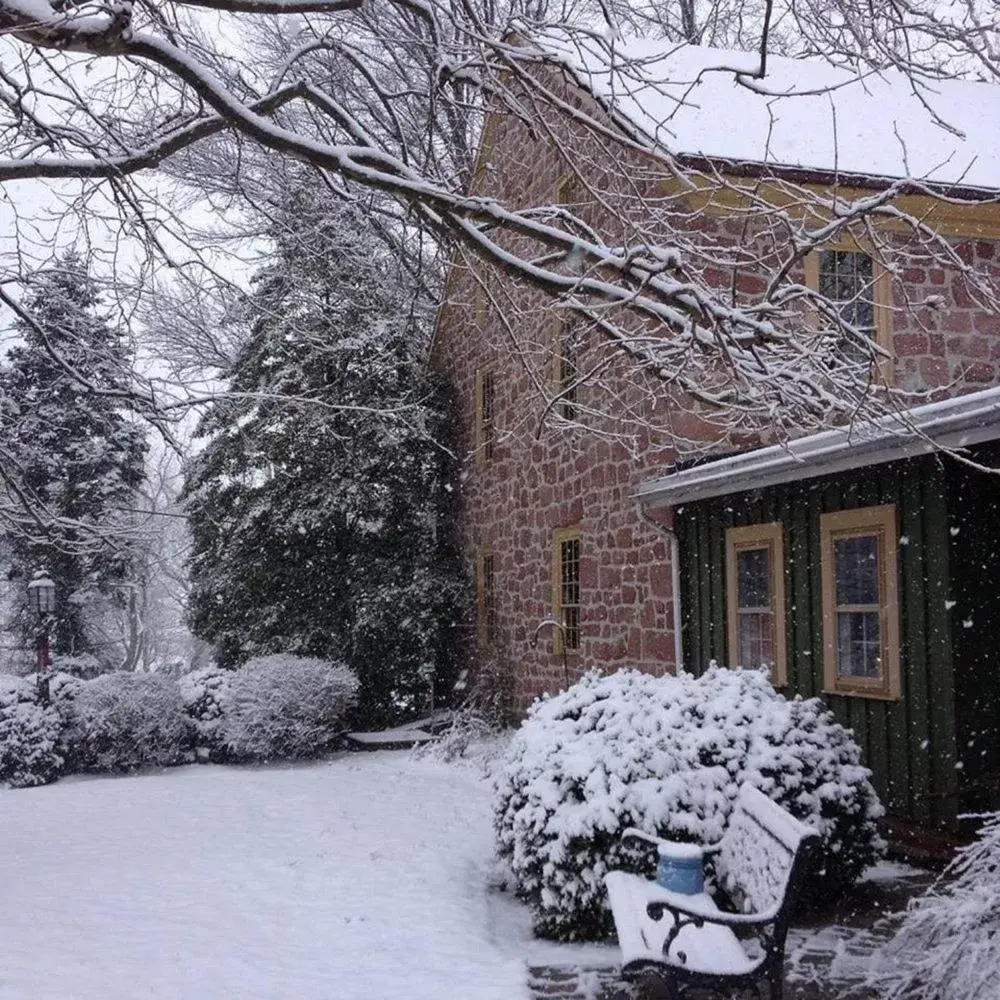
(952, 423)
(804, 114)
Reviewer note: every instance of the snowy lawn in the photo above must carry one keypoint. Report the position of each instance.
(363, 877)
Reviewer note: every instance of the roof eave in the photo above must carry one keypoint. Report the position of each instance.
(952, 424)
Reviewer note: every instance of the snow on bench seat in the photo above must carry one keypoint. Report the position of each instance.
(709, 949)
(390, 739)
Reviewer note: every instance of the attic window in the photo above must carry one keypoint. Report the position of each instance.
(846, 279)
(858, 288)
(569, 190)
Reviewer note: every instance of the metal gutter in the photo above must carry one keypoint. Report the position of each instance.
(953, 424)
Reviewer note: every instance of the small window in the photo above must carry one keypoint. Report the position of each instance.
(567, 369)
(485, 413)
(487, 141)
(860, 602)
(857, 286)
(846, 278)
(755, 594)
(566, 595)
(485, 601)
(569, 190)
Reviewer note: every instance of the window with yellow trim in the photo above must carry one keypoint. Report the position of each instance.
(860, 585)
(569, 189)
(858, 287)
(487, 141)
(755, 598)
(566, 592)
(567, 370)
(485, 414)
(485, 600)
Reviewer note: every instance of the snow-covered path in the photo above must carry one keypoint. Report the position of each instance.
(358, 878)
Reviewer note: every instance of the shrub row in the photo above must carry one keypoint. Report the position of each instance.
(667, 755)
(274, 707)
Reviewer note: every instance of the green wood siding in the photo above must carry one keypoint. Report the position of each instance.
(974, 533)
(910, 744)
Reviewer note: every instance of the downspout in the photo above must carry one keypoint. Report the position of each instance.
(675, 581)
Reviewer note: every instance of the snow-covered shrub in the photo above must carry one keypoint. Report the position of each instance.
(946, 944)
(121, 721)
(63, 688)
(286, 706)
(667, 755)
(29, 736)
(203, 694)
(84, 666)
(469, 735)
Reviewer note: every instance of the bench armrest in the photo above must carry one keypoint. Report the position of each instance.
(702, 909)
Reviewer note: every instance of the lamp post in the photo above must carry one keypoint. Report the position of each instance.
(42, 601)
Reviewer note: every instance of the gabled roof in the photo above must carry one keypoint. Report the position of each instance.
(952, 423)
(805, 114)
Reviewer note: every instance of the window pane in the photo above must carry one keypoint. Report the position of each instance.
(753, 578)
(859, 644)
(571, 619)
(569, 590)
(846, 279)
(856, 569)
(569, 372)
(756, 639)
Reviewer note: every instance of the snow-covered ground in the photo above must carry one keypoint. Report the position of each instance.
(364, 877)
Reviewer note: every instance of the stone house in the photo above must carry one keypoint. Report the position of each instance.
(602, 499)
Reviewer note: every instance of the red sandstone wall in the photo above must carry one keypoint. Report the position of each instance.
(547, 476)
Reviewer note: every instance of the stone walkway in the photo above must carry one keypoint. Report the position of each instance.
(826, 951)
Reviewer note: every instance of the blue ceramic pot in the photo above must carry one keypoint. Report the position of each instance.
(679, 868)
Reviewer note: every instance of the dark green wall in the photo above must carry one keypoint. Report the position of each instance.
(974, 528)
(911, 744)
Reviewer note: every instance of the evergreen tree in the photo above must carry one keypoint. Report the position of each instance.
(318, 501)
(69, 447)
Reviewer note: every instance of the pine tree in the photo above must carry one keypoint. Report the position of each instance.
(317, 504)
(71, 453)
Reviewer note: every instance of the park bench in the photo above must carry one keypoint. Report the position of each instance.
(676, 942)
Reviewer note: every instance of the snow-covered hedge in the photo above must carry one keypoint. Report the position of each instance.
(121, 721)
(946, 944)
(667, 755)
(273, 707)
(286, 706)
(29, 736)
(204, 694)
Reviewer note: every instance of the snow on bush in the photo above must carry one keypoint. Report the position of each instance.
(667, 755)
(946, 944)
(121, 721)
(84, 666)
(204, 693)
(286, 706)
(29, 736)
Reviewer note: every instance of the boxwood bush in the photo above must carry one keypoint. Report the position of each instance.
(667, 755)
(284, 706)
(122, 721)
(204, 693)
(29, 735)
